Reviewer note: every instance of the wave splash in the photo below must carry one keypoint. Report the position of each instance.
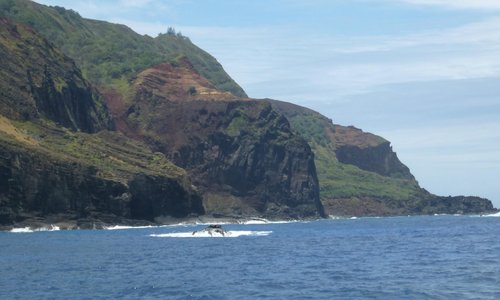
(492, 215)
(231, 233)
(29, 230)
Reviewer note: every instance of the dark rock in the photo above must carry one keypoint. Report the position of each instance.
(241, 153)
(360, 174)
(37, 184)
(454, 205)
(38, 81)
(153, 197)
(379, 159)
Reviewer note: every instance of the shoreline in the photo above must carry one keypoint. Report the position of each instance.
(51, 224)
(43, 225)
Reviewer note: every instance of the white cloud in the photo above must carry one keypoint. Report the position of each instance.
(459, 4)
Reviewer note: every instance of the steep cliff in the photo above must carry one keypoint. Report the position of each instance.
(51, 169)
(49, 174)
(360, 175)
(239, 152)
(39, 81)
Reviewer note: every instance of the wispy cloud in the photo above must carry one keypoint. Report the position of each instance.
(328, 67)
(459, 4)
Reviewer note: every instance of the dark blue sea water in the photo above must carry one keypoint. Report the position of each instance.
(439, 257)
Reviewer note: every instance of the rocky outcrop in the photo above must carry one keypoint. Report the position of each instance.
(454, 205)
(240, 153)
(379, 159)
(159, 196)
(38, 81)
(35, 184)
(350, 145)
(271, 169)
(360, 175)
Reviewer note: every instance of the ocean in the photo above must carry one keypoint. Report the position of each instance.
(424, 257)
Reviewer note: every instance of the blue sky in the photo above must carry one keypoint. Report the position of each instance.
(424, 74)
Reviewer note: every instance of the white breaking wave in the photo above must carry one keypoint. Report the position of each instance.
(254, 222)
(29, 230)
(120, 227)
(21, 230)
(492, 215)
(196, 234)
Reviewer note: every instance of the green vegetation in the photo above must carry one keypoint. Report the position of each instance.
(238, 123)
(338, 180)
(106, 52)
(256, 120)
(345, 181)
(113, 155)
(311, 128)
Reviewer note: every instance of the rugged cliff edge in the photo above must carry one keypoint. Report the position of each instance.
(50, 170)
(51, 175)
(39, 81)
(239, 152)
(360, 175)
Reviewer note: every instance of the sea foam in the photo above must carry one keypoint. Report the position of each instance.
(29, 230)
(492, 215)
(232, 233)
(121, 227)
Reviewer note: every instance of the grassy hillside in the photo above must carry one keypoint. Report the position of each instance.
(115, 157)
(107, 52)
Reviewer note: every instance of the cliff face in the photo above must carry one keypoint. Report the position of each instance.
(239, 152)
(47, 176)
(379, 159)
(38, 81)
(50, 168)
(456, 205)
(360, 175)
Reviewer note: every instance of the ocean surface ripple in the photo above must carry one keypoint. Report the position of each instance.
(435, 257)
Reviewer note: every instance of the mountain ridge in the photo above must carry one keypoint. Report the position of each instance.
(90, 43)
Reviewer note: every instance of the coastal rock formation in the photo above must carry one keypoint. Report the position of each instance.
(454, 205)
(38, 182)
(239, 152)
(100, 125)
(48, 166)
(377, 158)
(360, 175)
